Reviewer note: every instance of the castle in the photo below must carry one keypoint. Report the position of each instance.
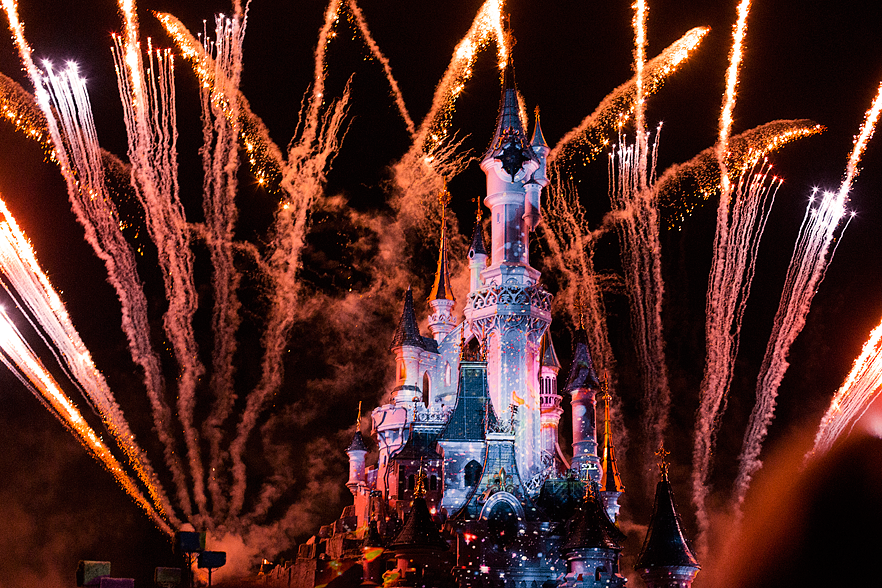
(471, 487)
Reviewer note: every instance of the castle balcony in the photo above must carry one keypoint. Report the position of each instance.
(508, 306)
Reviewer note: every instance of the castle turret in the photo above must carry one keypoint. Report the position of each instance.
(407, 343)
(477, 256)
(356, 452)
(549, 399)
(442, 321)
(583, 385)
(666, 560)
(592, 546)
(539, 179)
(611, 483)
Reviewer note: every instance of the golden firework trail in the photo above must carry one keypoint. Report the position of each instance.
(854, 397)
(592, 135)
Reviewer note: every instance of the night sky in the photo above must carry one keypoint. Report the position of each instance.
(803, 60)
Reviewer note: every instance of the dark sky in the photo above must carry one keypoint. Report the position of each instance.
(803, 60)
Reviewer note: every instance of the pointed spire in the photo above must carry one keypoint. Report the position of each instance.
(538, 139)
(419, 530)
(407, 333)
(612, 481)
(419, 488)
(478, 246)
(582, 374)
(590, 527)
(547, 355)
(509, 144)
(665, 545)
(441, 289)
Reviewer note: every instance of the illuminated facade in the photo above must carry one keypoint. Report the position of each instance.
(471, 487)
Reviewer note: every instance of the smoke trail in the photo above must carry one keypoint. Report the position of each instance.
(220, 158)
(807, 268)
(149, 111)
(591, 136)
(854, 397)
(387, 69)
(23, 362)
(309, 159)
(633, 197)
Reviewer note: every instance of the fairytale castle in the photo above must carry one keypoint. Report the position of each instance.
(471, 487)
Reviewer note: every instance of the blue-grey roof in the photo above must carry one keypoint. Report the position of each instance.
(665, 544)
(466, 423)
(407, 333)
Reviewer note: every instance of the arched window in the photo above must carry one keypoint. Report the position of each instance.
(433, 483)
(426, 388)
(472, 473)
(410, 482)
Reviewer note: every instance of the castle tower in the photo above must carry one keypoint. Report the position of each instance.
(592, 546)
(611, 483)
(549, 399)
(666, 560)
(510, 312)
(442, 321)
(582, 384)
(407, 343)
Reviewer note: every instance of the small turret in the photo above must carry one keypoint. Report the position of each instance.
(539, 179)
(549, 399)
(583, 385)
(441, 299)
(666, 561)
(407, 343)
(611, 483)
(477, 256)
(356, 452)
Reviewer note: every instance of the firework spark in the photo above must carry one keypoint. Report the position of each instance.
(808, 265)
(593, 134)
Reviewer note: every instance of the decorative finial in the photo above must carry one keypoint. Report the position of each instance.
(444, 196)
(536, 113)
(662, 462)
(358, 418)
(604, 387)
(462, 342)
(590, 490)
(419, 487)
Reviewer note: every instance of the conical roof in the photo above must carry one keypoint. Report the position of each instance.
(611, 481)
(547, 355)
(538, 139)
(407, 333)
(478, 246)
(590, 527)
(509, 144)
(582, 374)
(419, 530)
(357, 443)
(441, 289)
(665, 544)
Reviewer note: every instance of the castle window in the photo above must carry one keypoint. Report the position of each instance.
(410, 482)
(426, 388)
(472, 473)
(433, 483)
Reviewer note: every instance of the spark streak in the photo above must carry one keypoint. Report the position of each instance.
(851, 401)
(808, 265)
(591, 136)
